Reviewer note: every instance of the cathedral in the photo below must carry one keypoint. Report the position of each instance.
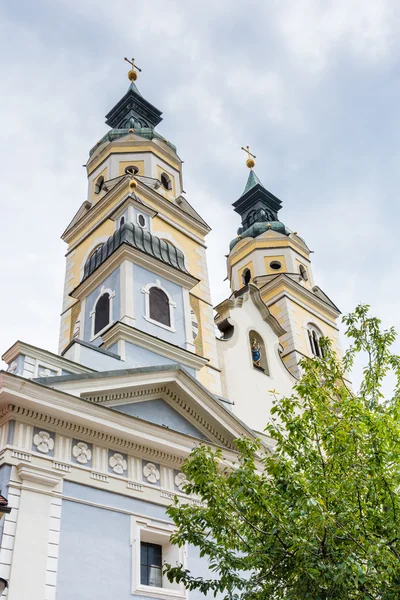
(93, 438)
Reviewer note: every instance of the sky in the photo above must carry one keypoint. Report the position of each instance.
(312, 86)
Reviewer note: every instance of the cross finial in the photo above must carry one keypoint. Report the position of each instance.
(250, 162)
(132, 74)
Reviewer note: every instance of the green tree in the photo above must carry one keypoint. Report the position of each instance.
(318, 517)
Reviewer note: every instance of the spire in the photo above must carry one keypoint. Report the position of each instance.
(133, 111)
(257, 207)
(252, 181)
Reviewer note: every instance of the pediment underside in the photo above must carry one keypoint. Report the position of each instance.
(159, 412)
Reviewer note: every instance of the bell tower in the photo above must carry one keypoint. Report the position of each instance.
(277, 260)
(136, 282)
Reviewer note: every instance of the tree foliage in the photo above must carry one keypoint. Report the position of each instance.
(318, 517)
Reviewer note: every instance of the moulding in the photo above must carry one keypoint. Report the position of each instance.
(35, 474)
(174, 399)
(97, 210)
(123, 252)
(254, 294)
(43, 355)
(303, 292)
(134, 336)
(87, 432)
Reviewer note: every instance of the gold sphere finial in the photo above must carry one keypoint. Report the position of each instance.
(250, 162)
(132, 184)
(132, 73)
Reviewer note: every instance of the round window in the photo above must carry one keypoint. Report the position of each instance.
(141, 220)
(131, 170)
(275, 265)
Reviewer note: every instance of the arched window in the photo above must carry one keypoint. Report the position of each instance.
(102, 313)
(246, 277)
(258, 353)
(314, 336)
(303, 272)
(121, 221)
(166, 181)
(99, 185)
(159, 306)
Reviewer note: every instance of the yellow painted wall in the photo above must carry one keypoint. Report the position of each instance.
(299, 318)
(132, 148)
(126, 163)
(106, 229)
(279, 258)
(245, 247)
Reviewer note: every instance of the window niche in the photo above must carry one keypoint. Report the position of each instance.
(159, 307)
(101, 314)
(151, 550)
(258, 352)
(166, 181)
(303, 273)
(99, 185)
(314, 336)
(246, 276)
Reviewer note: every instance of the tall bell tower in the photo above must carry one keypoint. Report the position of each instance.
(277, 260)
(136, 282)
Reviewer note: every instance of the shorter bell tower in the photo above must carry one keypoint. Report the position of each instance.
(269, 255)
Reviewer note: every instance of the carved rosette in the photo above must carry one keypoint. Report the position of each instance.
(180, 481)
(151, 472)
(43, 441)
(82, 453)
(118, 463)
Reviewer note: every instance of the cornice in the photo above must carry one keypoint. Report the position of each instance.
(125, 251)
(94, 435)
(253, 293)
(107, 199)
(140, 145)
(64, 411)
(269, 238)
(121, 331)
(303, 292)
(45, 356)
(172, 398)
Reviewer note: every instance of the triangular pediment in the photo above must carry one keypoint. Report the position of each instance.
(202, 413)
(159, 412)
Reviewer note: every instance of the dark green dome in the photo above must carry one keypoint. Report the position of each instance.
(257, 229)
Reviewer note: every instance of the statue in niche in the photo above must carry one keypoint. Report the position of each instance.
(256, 353)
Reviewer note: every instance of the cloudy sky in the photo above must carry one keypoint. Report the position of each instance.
(311, 85)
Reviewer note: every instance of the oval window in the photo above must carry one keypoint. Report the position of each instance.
(141, 220)
(275, 265)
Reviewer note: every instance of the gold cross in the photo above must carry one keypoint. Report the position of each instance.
(250, 157)
(132, 75)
